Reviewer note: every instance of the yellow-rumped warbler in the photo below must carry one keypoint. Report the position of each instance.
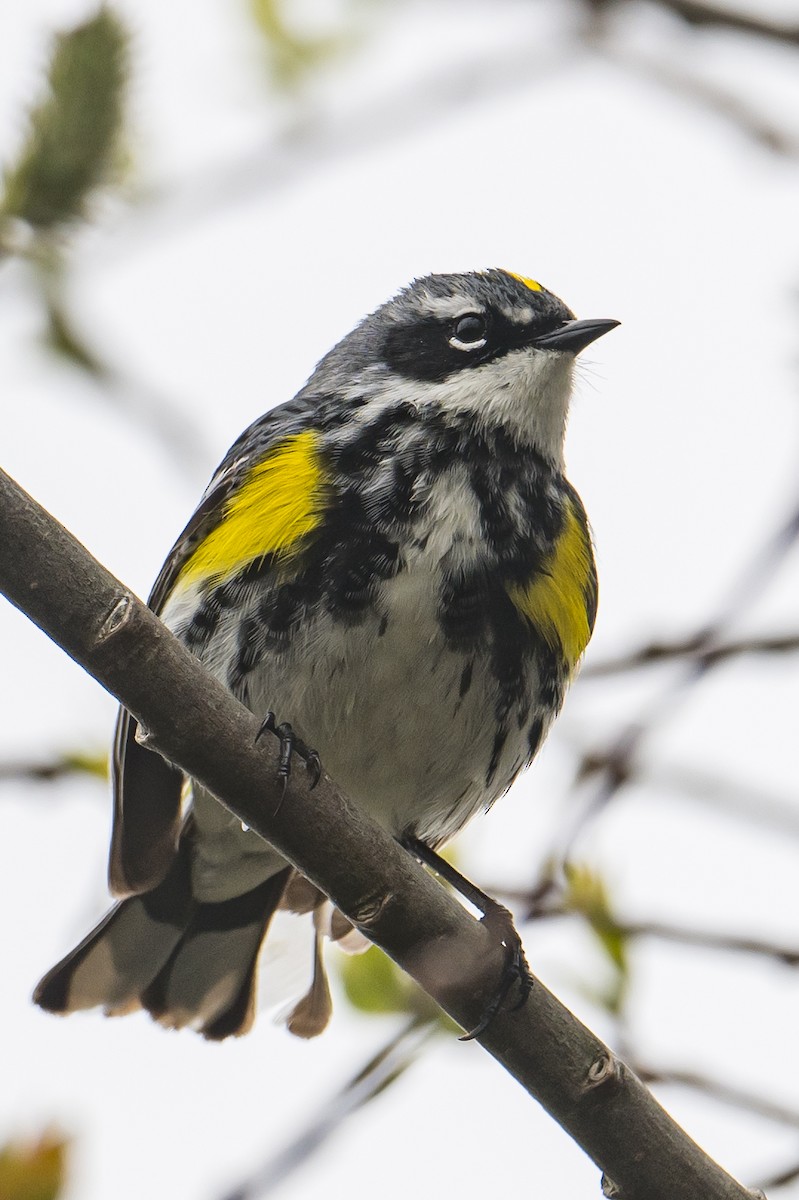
(393, 561)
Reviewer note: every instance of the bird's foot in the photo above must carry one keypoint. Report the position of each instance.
(498, 919)
(515, 969)
(290, 744)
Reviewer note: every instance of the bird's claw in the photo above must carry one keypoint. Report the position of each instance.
(515, 969)
(290, 744)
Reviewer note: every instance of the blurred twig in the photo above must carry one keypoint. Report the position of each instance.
(71, 151)
(748, 802)
(722, 102)
(629, 930)
(711, 16)
(133, 399)
(60, 767)
(726, 1093)
(710, 940)
(693, 647)
(780, 1179)
(382, 1069)
(291, 55)
(602, 772)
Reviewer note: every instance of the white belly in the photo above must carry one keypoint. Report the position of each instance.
(402, 722)
(385, 712)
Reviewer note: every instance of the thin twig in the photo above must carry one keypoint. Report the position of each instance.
(780, 1179)
(710, 95)
(718, 1089)
(706, 938)
(391, 1061)
(691, 647)
(708, 15)
(534, 909)
(751, 802)
(49, 770)
(610, 769)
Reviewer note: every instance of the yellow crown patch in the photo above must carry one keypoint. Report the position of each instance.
(532, 284)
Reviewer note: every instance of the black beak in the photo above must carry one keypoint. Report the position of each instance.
(574, 336)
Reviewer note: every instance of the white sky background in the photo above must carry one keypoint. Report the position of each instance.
(629, 203)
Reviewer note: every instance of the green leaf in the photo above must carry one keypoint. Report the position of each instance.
(74, 130)
(373, 983)
(376, 985)
(62, 338)
(290, 54)
(587, 895)
(33, 1170)
(84, 763)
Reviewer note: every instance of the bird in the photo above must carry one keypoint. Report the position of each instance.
(395, 563)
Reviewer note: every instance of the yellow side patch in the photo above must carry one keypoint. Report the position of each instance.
(532, 284)
(271, 512)
(559, 600)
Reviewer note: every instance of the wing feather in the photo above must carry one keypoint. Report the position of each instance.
(147, 789)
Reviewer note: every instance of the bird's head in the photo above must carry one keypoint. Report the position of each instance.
(490, 345)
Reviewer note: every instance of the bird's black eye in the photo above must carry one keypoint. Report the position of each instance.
(469, 333)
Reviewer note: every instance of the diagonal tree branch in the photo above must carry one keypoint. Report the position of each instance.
(194, 721)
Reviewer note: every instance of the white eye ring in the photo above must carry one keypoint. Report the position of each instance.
(457, 344)
(469, 323)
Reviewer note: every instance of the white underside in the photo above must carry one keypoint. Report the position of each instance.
(384, 712)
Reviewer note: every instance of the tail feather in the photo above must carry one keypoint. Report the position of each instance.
(208, 981)
(114, 964)
(187, 963)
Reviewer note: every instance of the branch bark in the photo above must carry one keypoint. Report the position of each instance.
(195, 722)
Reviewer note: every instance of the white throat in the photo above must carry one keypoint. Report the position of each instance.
(528, 391)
